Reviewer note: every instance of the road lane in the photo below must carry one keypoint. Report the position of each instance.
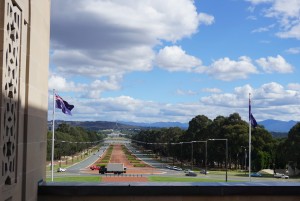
(87, 162)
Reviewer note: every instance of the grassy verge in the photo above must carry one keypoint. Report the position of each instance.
(182, 179)
(76, 179)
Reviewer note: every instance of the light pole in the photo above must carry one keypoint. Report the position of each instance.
(205, 157)
(192, 155)
(181, 154)
(226, 141)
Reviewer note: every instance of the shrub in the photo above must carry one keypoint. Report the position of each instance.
(139, 165)
(134, 161)
(101, 164)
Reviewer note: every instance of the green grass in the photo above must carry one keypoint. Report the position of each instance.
(76, 179)
(139, 165)
(182, 179)
(101, 164)
(134, 161)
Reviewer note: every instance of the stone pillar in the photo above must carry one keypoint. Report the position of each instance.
(24, 58)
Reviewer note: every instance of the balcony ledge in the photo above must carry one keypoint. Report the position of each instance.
(169, 189)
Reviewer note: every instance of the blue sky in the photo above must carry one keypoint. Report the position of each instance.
(150, 61)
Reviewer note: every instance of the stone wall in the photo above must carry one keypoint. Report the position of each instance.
(24, 60)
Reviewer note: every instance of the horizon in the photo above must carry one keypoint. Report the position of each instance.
(163, 62)
(157, 121)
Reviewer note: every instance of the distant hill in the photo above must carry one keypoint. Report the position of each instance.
(93, 125)
(279, 128)
(159, 124)
(277, 125)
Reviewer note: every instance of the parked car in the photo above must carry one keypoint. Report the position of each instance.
(256, 174)
(279, 175)
(168, 167)
(191, 173)
(176, 168)
(187, 170)
(94, 167)
(204, 172)
(61, 169)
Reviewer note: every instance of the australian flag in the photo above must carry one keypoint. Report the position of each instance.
(251, 117)
(63, 105)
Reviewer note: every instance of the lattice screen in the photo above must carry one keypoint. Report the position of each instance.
(10, 67)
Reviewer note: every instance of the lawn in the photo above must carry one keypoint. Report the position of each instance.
(182, 179)
(76, 179)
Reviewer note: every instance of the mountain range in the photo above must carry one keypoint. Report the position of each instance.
(277, 126)
(270, 125)
(158, 124)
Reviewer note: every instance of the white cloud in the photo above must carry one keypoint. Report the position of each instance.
(251, 17)
(95, 89)
(212, 90)
(102, 38)
(174, 58)
(271, 100)
(60, 84)
(293, 32)
(206, 19)
(263, 29)
(186, 92)
(88, 90)
(294, 86)
(256, 2)
(275, 64)
(287, 13)
(227, 70)
(236, 99)
(223, 100)
(101, 63)
(294, 50)
(285, 8)
(126, 108)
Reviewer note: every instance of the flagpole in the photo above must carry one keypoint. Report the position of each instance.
(249, 137)
(53, 127)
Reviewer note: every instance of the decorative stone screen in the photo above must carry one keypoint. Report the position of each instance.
(10, 68)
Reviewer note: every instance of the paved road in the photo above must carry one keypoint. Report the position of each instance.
(147, 158)
(75, 169)
(87, 162)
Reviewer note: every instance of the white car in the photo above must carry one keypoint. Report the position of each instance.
(187, 170)
(61, 169)
(191, 173)
(176, 168)
(168, 167)
(283, 176)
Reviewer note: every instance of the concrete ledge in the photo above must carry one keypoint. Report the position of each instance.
(169, 189)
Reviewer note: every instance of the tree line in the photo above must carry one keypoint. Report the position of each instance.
(267, 152)
(70, 140)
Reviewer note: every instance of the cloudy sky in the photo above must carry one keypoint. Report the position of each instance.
(170, 60)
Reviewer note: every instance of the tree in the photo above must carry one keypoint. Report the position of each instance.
(293, 144)
(263, 148)
(69, 140)
(198, 128)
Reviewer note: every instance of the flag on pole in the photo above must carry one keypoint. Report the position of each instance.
(63, 105)
(251, 117)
